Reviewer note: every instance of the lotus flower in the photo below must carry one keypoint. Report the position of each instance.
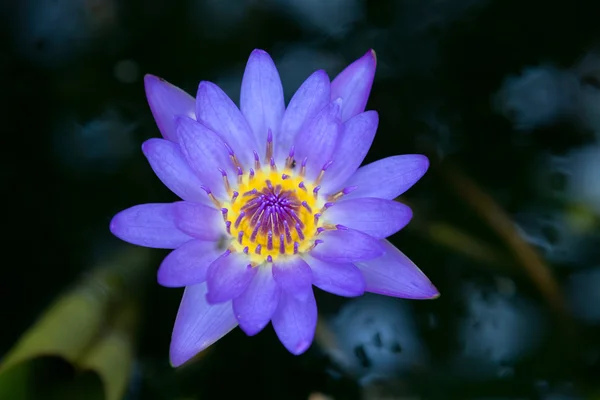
(273, 202)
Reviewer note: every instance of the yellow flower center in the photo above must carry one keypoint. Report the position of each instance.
(273, 214)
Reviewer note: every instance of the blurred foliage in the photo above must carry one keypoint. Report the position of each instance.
(92, 327)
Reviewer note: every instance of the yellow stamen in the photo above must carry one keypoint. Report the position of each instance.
(292, 229)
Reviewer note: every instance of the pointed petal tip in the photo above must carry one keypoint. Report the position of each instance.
(205, 85)
(369, 118)
(208, 89)
(259, 52)
(179, 359)
(260, 55)
(434, 293)
(354, 84)
(424, 160)
(431, 294)
(151, 145)
(373, 55)
(369, 58)
(321, 73)
(147, 146)
(166, 101)
(374, 115)
(428, 292)
(175, 363)
(164, 280)
(300, 347)
(113, 225)
(118, 225)
(149, 79)
(421, 164)
(151, 82)
(252, 329)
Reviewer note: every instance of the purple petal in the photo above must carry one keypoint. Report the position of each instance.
(388, 178)
(341, 279)
(255, 307)
(206, 152)
(347, 245)
(216, 111)
(295, 322)
(228, 277)
(353, 85)
(394, 274)
(200, 221)
(317, 140)
(351, 149)
(187, 265)
(309, 99)
(198, 324)
(168, 163)
(261, 97)
(376, 217)
(149, 225)
(166, 102)
(293, 276)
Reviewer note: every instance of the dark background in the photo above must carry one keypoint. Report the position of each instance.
(502, 95)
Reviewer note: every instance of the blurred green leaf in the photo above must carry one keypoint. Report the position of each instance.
(111, 356)
(92, 327)
(14, 382)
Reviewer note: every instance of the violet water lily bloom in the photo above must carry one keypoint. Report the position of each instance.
(273, 202)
